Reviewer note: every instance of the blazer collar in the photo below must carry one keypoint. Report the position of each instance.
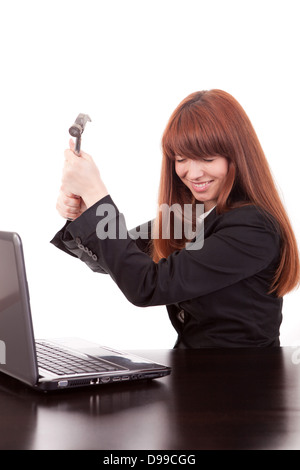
(209, 221)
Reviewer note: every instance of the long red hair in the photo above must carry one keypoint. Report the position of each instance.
(210, 123)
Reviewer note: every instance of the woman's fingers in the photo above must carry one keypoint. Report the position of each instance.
(68, 206)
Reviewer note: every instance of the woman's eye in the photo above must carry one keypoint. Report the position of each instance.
(208, 159)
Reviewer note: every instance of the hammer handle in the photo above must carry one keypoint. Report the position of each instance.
(78, 145)
(77, 151)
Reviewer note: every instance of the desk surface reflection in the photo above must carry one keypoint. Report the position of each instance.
(213, 399)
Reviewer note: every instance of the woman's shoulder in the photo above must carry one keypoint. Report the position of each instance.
(248, 215)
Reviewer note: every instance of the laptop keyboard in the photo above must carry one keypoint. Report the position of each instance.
(62, 362)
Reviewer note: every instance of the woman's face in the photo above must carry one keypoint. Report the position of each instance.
(204, 177)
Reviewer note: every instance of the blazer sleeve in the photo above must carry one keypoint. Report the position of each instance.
(243, 243)
(74, 246)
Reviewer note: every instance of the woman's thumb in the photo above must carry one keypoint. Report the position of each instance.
(72, 145)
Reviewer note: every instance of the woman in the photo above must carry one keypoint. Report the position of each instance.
(224, 290)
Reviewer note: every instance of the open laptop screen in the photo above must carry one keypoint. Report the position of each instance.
(15, 319)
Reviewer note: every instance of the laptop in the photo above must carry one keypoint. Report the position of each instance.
(55, 364)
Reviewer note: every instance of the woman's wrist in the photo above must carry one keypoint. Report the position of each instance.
(94, 195)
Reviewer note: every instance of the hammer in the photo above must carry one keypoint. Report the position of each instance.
(77, 129)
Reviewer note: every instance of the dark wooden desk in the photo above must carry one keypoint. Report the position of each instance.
(214, 399)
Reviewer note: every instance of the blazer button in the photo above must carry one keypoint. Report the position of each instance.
(94, 257)
(80, 246)
(78, 240)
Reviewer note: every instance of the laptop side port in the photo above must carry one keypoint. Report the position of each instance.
(62, 383)
(94, 381)
(105, 380)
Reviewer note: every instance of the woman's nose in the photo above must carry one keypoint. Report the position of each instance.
(195, 170)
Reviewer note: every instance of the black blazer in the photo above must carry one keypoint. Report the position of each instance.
(216, 296)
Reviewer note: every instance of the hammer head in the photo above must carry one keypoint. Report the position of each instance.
(78, 127)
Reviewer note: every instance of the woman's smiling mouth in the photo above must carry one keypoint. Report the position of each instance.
(198, 187)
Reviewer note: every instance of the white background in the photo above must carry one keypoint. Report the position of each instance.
(128, 64)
